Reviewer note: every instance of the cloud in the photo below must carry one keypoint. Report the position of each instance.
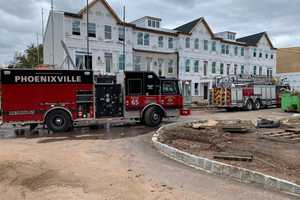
(21, 20)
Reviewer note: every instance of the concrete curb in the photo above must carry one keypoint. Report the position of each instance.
(221, 169)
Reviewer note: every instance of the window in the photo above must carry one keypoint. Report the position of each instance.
(267, 56)
(134, 87)
(149, 61)
(137, 63)
(187, 42)
(205, 45)
(222, 68)
(76, 27)
(108, 62)
(254, 53)
(242, 69)
(236, 51)
(157, 24)
(170, 67)
(213, 46)
(235, 69)
(169, 87)
(107, 31)
(149, 23)
(205, 64)
(227, 49)
(171, 46)
(121, 62)
(92, 30)
(260, 71)
(213, 67)
(196, 89)
(272, 56)
(197, 43)
(196, 66)
(121, 33)
(242, 51)
(260, 55)
(270, 72)
(83, 61)
(146, 39)
(228, 69)
(140, 39)
(254, 70)
(153, 23)
(187, 65)
(160, 67)
(223, 49)
(160, 41)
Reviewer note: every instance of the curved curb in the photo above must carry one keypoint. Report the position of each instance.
(221, 169)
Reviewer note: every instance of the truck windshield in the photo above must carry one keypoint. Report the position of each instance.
(170, 88)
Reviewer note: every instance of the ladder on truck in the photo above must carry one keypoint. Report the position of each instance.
(242, 80)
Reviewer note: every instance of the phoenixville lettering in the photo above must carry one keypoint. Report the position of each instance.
(47, 79)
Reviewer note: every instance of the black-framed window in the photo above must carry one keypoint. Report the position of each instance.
(76, 27)
(134, 87)
(92, 30)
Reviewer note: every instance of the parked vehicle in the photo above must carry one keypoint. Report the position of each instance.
(63, 99)
(250, 93)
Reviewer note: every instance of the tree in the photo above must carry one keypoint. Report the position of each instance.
(32, 56)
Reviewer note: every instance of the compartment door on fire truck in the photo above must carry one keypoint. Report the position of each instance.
(109, 101)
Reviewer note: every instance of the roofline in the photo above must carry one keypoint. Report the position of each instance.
(74, 15)
(155, 52)
(111, 10)
(155, 31)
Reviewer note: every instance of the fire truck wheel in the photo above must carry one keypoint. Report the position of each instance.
(257, 105)
(153, 116)
(249, 105)
(58, 121)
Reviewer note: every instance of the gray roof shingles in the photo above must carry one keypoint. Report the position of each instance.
(188, 27)
(252, 39)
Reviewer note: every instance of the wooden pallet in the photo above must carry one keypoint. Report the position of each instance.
(285, 135)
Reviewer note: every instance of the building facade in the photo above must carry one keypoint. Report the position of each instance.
(191, 52)
(288, 66)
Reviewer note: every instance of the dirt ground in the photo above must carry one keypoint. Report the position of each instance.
(270, 155)
(114, 164)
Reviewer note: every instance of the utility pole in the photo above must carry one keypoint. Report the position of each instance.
(52, 19)
(42, 23)
(87, 36)
(37, 48)
(124, 39)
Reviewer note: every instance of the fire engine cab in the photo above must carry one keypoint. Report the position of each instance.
(63, 99)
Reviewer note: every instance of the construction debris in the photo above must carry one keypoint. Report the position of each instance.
(204, 124)
(247, 158)
(265, 123)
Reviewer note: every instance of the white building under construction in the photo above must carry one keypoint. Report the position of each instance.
(191, 52)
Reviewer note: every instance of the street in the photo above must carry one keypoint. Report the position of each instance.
(118, 163)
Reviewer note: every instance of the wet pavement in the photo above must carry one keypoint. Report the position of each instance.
(104, 132)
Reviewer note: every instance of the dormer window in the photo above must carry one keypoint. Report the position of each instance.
(153, 23)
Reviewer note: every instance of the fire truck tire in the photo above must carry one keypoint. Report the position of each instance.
(153, 116)
(59, 121)
(249, 105)
(257, 105)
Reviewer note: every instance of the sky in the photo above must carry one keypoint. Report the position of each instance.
(21, 20)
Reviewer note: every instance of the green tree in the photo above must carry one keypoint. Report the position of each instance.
(32, 56)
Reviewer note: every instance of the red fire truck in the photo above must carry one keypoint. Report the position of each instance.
(249, 93)
(62, 99)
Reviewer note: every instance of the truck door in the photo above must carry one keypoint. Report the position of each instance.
(171, 97)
